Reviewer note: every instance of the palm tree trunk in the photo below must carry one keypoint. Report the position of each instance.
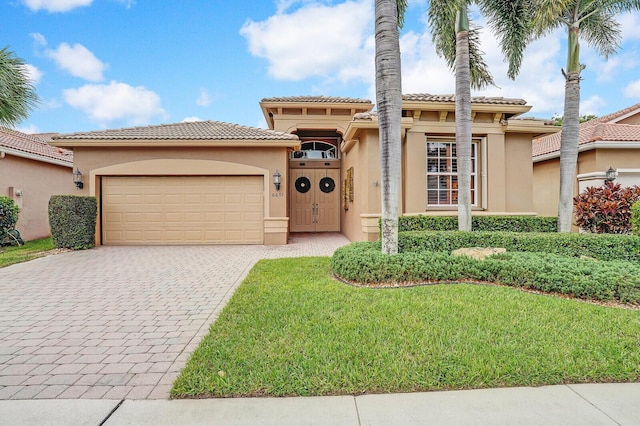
(570, 133)
(463, 120)
(389, 104)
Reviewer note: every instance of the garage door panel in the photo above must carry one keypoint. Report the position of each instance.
(183, 210)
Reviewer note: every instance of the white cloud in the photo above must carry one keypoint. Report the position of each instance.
(336, 43)
(78, 61)
(204, 99)
(629, 23)
(540, 82)
(315, 40)
(592, 106)
(632, 90)
(115, 101)
(127, 3)
(29, 129)
(34, 73)
(38, 39)
(422, 70)
(55, 5)
(191, 119)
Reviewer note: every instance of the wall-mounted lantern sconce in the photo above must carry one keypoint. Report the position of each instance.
(276, 180)
(610, 175)
(77, 179)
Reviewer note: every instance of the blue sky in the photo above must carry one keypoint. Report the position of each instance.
(102, 64)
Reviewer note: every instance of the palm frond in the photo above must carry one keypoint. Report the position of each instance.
(442, 19)
(479, 70)
(17, 94)
(549, 15)
(620, 6)
(402, 8)
(602, 32)
(512, 22)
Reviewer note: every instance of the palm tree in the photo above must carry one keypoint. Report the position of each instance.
(594, 22)
(17, 94)
(458, 43)
(388, 17)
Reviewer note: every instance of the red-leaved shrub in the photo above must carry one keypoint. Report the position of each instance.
(606, 209)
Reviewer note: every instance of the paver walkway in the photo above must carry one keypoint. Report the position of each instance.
(119, 322)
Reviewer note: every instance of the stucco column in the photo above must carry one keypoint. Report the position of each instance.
(496, 175)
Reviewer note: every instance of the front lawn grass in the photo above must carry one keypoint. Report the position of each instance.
(290, 329)
(30, 250)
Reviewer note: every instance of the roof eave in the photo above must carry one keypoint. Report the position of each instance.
(356, 126)
(246, 143)
(36, 157)
(475, 107)
(266, 105)
(590, 146)
(536, 128)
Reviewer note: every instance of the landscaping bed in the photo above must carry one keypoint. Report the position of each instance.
(597, 267)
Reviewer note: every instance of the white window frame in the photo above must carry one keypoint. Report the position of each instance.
(479, 176)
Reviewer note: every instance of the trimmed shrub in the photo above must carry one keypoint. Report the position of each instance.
(635, 218)
(601, 247)
(8, 219)
(583, 278)
(8, 214)
(479, 223)
(606, 209)
(73, 221)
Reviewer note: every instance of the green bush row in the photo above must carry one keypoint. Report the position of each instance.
(583, 278)
(635, 218)
(73, 221)
(479, 223)
(598, 246)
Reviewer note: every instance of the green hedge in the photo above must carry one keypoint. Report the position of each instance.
(598, 246)
(73, 221)
(583, 278)
(635, 218)
(479, 223)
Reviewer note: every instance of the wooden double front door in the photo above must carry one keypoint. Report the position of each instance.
(315, 200)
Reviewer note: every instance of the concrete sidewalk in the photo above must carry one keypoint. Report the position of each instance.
(587, 404)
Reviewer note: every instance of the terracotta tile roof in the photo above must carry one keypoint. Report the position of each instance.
(317, 99)
(35, 145)
(196, 130)
(426, 97)
(603, 129)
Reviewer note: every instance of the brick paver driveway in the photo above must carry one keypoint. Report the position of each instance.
(119, 322)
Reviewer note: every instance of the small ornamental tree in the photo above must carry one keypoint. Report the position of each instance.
(606, 209)
(8, 218)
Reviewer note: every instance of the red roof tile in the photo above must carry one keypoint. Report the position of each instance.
(35, 145)
(195, 130)
(604, 129)
(426, 97)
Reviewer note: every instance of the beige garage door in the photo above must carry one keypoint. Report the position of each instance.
(146, 210)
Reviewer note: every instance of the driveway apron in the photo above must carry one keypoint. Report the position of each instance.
(119, 322)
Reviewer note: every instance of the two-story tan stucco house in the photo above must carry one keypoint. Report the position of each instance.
(316, 169)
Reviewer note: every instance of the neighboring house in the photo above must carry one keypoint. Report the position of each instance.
(609, 141)
(31, 171)
(315, 170)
